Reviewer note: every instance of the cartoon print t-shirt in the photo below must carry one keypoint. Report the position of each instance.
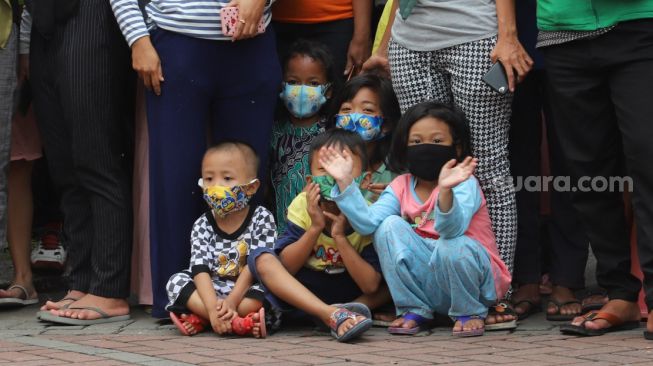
(224, 255)
(325, 255)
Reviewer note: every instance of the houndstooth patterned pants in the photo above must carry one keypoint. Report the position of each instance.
(453, 75)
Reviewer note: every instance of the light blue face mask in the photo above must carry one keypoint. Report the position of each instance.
(368, 127)
(303, 101)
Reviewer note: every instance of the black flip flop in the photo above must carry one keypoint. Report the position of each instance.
(648, 335)
(616, 324)
(557, 317)
(533, 308)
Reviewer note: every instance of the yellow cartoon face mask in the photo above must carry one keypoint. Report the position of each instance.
(224, 200)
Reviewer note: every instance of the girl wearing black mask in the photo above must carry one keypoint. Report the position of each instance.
(432, 230)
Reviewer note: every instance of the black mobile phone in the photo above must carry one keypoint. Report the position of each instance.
(496, 78)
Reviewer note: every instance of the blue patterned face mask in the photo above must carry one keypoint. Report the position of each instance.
(303, 101)
(368, 127)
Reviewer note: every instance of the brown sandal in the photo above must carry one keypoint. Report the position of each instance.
(616, 323)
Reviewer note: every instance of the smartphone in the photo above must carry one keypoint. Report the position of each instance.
(496, 78)
(230, 19)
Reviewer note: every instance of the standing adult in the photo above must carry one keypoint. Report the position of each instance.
(440, 50)
(342, 25)
(81, 85)
(599, 60)
(200, 80)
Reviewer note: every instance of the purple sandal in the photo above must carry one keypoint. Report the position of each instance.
(471, 332)
(422, 323)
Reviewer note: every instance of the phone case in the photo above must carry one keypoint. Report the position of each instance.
(230, 18)
(496, 78)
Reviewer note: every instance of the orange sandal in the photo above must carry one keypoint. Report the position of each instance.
(245, 325)
(198, 323)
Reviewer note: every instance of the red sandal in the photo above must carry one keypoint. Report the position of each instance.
(245, 325)
(198, 323)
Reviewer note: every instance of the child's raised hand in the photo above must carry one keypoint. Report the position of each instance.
(338, 223)
(314, 210)
(337, 164)
(453, 174)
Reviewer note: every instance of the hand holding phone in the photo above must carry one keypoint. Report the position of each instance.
(496, 78)
(230, 18)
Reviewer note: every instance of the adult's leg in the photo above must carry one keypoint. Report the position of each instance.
(8, 58)
(57, 143)
(177, 121)
(96, 95)
(630, 89)
(524, 149)
(336, 35)
(417, 77)
(246, 97)
(585, 123)
(488, 114)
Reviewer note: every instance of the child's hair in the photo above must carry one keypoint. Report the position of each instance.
(246, 150)
(452, 116)
(388, 104)
(319, 53)
(340, 139)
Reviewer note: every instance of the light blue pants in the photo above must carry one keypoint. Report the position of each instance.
(445, 276)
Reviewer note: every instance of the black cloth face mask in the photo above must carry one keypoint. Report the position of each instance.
(426, 160)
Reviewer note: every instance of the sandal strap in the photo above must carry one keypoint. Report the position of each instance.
(502, 308)
(22, 288)
(613, 319)
(340, 316)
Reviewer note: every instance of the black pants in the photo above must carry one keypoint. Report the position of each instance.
(335, 35)
(601, 93)
(83, 96)
(569, 246)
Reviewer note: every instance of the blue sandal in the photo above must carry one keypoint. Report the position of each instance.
(421, 323)
(468, 333)
(340, 316)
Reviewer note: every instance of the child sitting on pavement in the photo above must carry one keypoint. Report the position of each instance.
(217, 287)
(320, 259)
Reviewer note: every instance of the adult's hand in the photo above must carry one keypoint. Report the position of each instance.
(378, 63)
(250, 13)
(358, 52)
(146, 62)
(513, 57)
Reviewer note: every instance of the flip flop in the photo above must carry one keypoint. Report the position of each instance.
(421, 323)
(63, 307)
(471, 332)
(648, 335)
(616, 323)
(557, 316)
(9, 302)
(198, 323)
(104, 317)
(533, 308)
(502, 308)
(340, 316)
(244, 325)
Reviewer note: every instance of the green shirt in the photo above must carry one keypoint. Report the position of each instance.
(6, 22)
(589, 15)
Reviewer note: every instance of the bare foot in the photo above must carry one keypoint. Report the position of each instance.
(71, 296)
(256, 329)
(384, 317)
(494, 314)
(649, 322)
(562, 295)
(625, 310)
(472, 324)
(595, 299)
(113, 307)
(347, 324)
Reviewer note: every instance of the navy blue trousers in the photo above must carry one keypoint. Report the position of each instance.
(213, 90)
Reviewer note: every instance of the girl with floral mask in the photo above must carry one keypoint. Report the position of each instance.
(309, 80)
(368, 106)
(432, 230)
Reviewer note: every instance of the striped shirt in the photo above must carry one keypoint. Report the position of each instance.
(193, 18)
